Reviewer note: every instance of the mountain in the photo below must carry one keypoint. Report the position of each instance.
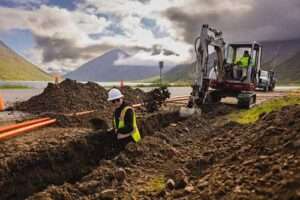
(179, 73)
(15, 67)
(289, 70)
(277, 52)
(185, 72)
(103, 68)
(281, 56)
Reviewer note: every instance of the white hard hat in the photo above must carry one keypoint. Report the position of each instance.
(114, 94)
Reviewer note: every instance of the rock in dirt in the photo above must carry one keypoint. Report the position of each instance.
(120, 174)
(170, 184)
(189, 189)
(296, 144)
(108, 194)
(180, 178)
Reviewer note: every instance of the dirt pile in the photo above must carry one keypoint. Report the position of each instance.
(259, 161)
(55, 155)
(147, 165)
(133, 96)
(67, 97)
(155, 98)
(70, 96)
(212, 111)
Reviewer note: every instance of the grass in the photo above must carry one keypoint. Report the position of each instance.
(15, 67)
(12, 87)
(253, 114)
(155, 82)
(155, 185)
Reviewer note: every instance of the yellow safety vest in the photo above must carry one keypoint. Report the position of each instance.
(244, 61)
(135, 134)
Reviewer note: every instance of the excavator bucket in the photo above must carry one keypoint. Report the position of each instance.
(187, 112)
(191, 109)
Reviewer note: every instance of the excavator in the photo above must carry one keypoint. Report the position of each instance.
(223, 78)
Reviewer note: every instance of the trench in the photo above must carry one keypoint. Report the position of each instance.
(29, 174)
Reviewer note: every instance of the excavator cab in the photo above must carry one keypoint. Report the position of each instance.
(234, 53)
(235, 82)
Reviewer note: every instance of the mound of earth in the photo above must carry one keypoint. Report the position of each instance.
(133, 96)
(69, 97)
(260, 161)
(193, 160)
(54, 155)
(66, 97)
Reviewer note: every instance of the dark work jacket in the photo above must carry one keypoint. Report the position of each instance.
(128, 121)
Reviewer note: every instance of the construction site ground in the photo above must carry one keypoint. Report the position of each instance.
(200, 157)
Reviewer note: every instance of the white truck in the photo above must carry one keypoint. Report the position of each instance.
(266, 80)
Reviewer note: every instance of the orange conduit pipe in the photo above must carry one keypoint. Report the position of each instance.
(19, 131)
(1, 104)
(22, 124)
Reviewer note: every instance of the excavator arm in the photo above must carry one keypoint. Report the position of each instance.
(202, 70)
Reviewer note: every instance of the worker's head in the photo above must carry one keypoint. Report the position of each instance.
(115, 97)
(246, 53)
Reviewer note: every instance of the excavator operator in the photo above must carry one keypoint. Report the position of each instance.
(242, 64)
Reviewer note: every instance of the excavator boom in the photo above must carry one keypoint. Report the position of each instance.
(201, 84)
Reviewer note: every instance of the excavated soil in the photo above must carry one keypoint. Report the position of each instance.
(67, 97)
(154, 99)
(61, 101)
(70, 96)
(133, 96)
(194, 158)
(56, 155)
(191, 159)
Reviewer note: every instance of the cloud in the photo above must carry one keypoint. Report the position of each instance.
(28, 4)
(146, 58)
(239, 20)
(147, 28)
(59, 33)
(60, 49)
(65, 37)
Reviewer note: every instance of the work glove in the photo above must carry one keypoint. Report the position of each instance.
(111, 131)
(123, 136)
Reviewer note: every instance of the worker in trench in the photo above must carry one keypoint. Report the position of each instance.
(124, 119)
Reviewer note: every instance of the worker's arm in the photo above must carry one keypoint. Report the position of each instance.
(128, 128)
(113, 129)
(238, 61)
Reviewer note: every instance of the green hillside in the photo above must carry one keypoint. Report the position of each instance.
(15, 67)
(289, 70)
(180, 73)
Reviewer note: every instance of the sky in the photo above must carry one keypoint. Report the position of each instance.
(61, 35)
